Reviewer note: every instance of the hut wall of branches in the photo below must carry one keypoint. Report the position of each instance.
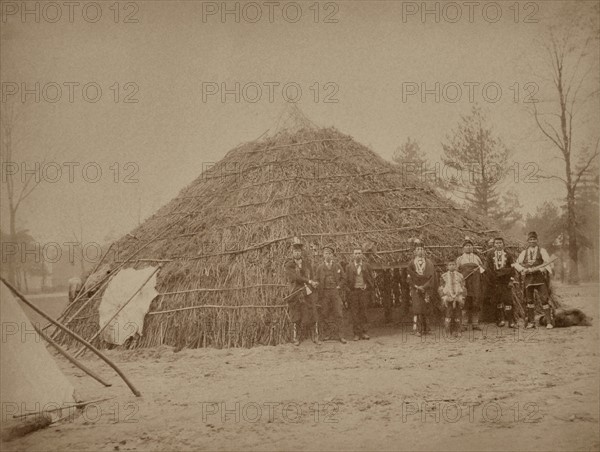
(223, 240)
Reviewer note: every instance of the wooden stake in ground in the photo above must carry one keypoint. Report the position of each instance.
(72, 334)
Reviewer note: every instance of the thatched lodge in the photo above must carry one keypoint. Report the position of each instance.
(223, 240)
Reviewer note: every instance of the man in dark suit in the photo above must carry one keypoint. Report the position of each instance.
(330, 279)
(359, 283)
(302, 309)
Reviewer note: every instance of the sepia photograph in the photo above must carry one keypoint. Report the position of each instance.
(347, 225)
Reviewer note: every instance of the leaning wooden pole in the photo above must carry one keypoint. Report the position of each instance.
(80, 351)
(71, 359)
(72, 334)
(85, 303)
(104, 280)
(99, 286)
(68, 308)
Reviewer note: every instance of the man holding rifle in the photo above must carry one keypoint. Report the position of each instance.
(535, 267)
(302, 307)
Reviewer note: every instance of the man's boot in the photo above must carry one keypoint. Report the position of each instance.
(465, 320)
(457, 325)
(530, 315)
(315, 337)
(338, 336)
(509, 316)
(475, 319)
(295, 334)
(500, 315)
(548, 316)
(416, 325)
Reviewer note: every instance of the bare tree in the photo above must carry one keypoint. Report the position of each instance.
(567, 54)
(17, 187)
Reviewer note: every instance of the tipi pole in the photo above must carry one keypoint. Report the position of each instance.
(103, 280)
(71, 359)
(119, 310)
(73, 334)
(85, 303)
(100, 284)
(81, 293)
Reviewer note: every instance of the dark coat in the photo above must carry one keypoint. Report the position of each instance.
(338, 273)
(502, 275)
(421, 300)
(297, 276)
(367, 273)
(427, 279)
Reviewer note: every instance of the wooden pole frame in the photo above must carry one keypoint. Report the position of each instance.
(72, 334)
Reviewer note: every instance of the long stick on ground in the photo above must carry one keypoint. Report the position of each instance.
(72, 334)
(73, 361)
(75, 405)
(119, 310)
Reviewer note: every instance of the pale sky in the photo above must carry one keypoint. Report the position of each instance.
(366, 61)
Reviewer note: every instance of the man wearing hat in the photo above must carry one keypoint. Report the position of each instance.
(359, 282)
(421, 279)
(302, 307)
(535, 267)
(499, 268)
(470, 266)
(330, 279)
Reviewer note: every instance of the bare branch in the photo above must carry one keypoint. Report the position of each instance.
(24, 192)
(543, 176)
(547, 134)
(585, 167)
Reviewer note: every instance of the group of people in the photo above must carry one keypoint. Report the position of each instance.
(317, 294)
(316, 306)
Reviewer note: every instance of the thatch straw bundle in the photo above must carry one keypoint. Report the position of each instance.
(223, 241)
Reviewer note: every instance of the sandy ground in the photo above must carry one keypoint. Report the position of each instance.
(497, 390)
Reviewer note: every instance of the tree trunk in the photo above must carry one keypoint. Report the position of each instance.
(572, 229)
(12, 276)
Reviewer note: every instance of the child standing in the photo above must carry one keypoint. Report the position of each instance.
(452, 291)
